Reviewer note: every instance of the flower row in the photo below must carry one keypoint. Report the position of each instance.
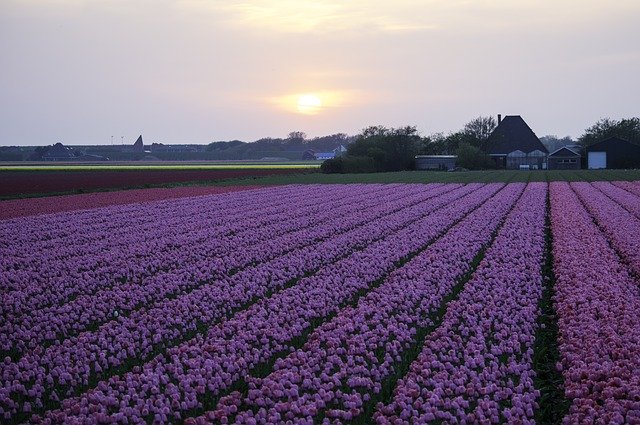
(621, 227)
(348, 358)
(42, 276)
(477, 366)
(57, 204)
(92, 354)
(597, 302)
(211, 363)
(196, 268)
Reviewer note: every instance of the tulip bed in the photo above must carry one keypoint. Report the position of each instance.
(598, 301)
(402, 303)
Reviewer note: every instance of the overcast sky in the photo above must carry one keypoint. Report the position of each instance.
(197, 71)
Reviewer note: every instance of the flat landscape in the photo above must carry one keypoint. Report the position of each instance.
(494, 300)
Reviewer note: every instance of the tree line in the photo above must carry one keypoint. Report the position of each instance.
(379, 149)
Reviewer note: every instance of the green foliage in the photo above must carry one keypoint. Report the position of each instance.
(626, 128)
(348, 164)
(391, 149)
(472, 158)
(477, 131)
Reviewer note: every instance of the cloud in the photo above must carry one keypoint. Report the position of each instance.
(318, 16)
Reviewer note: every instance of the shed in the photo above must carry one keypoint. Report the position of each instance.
(613, 152)
(564, 158)
(514, 145)
(436, 162)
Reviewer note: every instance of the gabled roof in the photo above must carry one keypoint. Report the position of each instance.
(564, 151)
(513, 134)
(608, 141)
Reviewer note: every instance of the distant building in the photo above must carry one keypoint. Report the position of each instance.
(436, 162)
(138, 146)
(613, 153)
(513, 145)
(321, 156)
(564, 158)
(58, 152)
(308, 155)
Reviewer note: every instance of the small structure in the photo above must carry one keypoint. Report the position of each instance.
(58, 152)
(138, 146)
(564, 158)
(613, 153)
(514, 145)
(436, 162)
(321, 156)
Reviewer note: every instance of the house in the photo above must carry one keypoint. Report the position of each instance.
(565, 158)
(436, 162)
(513, 145)
(613, 153)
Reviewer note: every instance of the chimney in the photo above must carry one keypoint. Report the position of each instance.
(499, 118)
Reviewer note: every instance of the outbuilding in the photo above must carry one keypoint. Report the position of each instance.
(613, 152)
(564, 158)
(436, 162)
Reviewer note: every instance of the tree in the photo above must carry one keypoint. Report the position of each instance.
(554, 142)
(626, 128)
(473, 158)
(296, 137)
(392, 149)
(478, 131)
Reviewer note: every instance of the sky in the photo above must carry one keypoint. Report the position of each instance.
(198, 71)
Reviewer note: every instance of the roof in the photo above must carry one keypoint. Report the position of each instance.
(567, 152)
(58, 151)
(513, 134)
(618, 141)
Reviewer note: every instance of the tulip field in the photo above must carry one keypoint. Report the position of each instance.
(348, 303)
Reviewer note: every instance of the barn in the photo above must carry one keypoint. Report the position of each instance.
(564, 158)
(613, 152)
(513, 145)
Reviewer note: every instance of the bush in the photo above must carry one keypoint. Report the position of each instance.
(348, 164)
(472, 158)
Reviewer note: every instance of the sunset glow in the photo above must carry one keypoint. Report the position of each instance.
(309, 104)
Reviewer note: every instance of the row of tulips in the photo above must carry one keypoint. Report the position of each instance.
(55, 276)
(633, 187)
(49, 324)
(628, 200)
(176, 381)
(57, 204)
(621, 227)
(597, 301)
(71, 364)
(477, 366)
(348, 358)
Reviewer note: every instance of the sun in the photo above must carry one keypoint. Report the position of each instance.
(309, 104)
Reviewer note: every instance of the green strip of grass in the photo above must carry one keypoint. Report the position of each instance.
(500, 176)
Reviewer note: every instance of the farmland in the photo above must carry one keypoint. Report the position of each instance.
(492, 301)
